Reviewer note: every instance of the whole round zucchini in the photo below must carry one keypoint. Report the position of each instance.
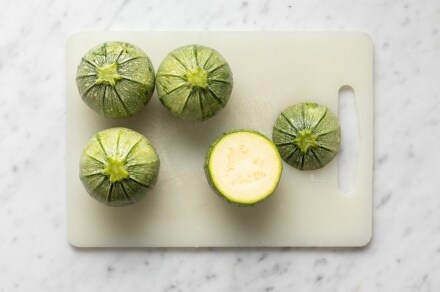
(194, 82)
(118, 166)
(115, 79)
(307, 136)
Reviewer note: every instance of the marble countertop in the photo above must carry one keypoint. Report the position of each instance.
(404, 253)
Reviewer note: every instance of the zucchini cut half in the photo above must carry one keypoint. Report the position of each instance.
(243, 166)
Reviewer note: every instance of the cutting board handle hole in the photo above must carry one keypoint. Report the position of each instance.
(350, 139)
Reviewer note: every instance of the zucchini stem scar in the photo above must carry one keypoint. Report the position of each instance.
(305, 140)
(108, 74)
(115, 169)
(197, 77)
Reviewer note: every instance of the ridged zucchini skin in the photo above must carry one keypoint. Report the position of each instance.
(118, 166)
(116, 79)
(307, 135)
(194, 82)
(209, 175)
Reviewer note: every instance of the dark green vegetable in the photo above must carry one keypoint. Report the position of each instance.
(307, 136)
(194, 82)
(118, 166)
(116, 79)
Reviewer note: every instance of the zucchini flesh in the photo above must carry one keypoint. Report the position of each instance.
(243, 166)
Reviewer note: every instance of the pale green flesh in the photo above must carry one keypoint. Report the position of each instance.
(194, 82)
(307, 136)
(244, 167)
(118, 166)
(116, 79)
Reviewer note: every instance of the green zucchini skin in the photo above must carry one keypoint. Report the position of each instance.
(209, 175)
(118, 166)
(194, 82)
(116, 79)
(307, 135)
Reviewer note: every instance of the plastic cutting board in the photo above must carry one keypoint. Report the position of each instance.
(271, 72)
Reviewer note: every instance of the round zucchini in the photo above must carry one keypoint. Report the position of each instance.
(243, 166)
(115, 79)
(194, 82)
(307, 136)
(118, 166)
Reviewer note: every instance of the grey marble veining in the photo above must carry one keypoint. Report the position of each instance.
(404, 254)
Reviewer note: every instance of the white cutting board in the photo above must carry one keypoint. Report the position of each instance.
(271, 72)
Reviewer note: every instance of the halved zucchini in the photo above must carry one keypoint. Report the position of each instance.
(243, 166)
